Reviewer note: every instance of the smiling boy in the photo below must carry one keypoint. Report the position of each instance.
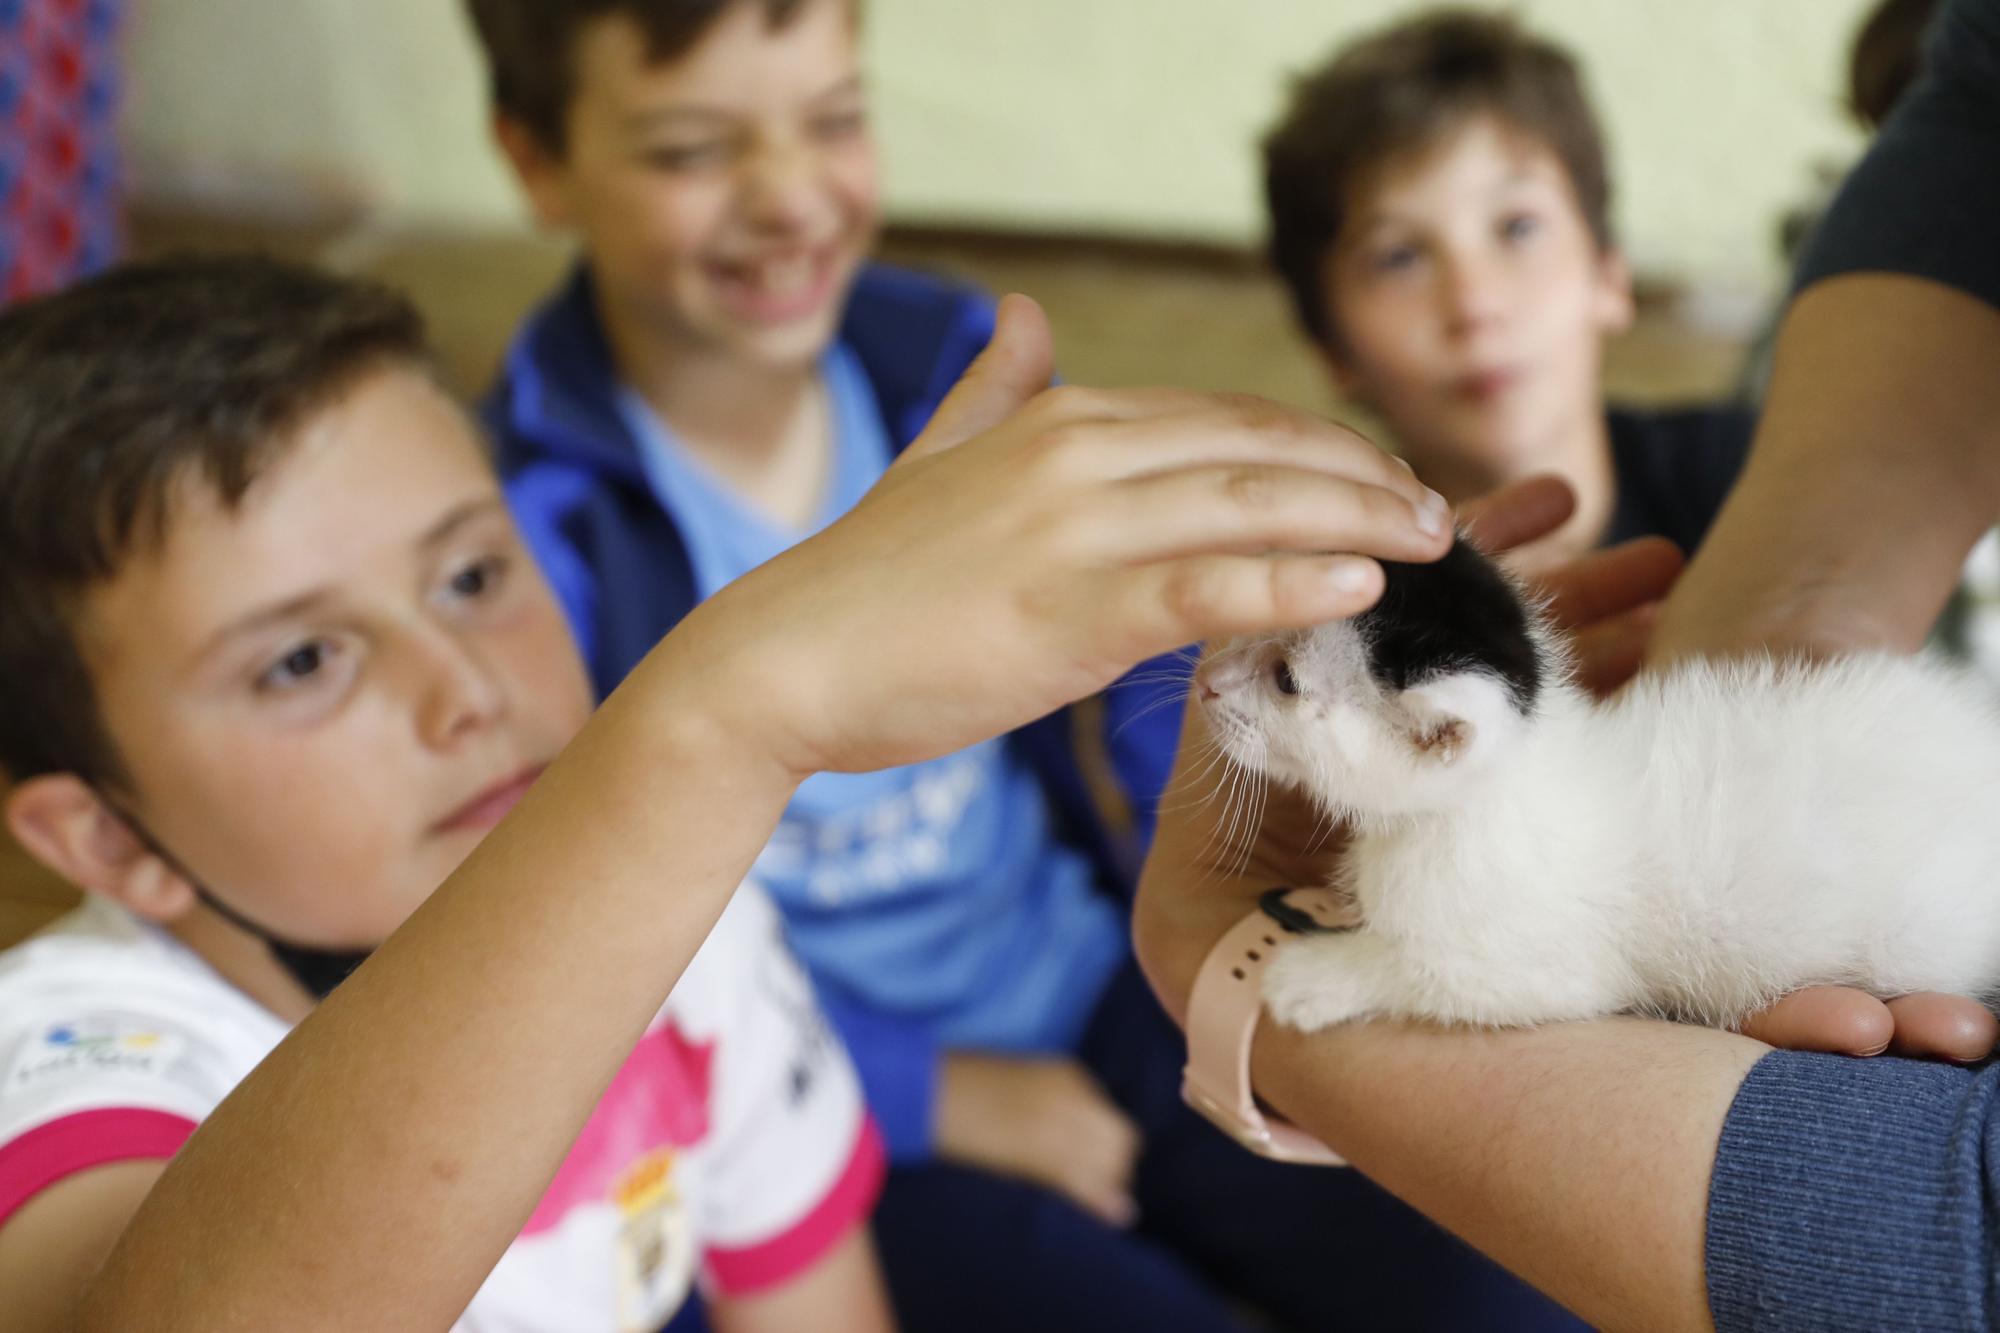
(1439, 206)
(724, 375)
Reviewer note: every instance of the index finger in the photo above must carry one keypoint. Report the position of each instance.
(1141, 432)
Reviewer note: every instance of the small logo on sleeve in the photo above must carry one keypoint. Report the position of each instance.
(95, 1046)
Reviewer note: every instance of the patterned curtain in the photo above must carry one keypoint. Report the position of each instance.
(59, 197)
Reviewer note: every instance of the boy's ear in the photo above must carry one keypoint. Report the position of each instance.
(543, 175)
(63, 823)
(1614, 303)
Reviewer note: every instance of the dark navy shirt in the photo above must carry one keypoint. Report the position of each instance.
(1674, 468)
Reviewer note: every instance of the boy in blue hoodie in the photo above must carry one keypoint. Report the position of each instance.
(724, 375)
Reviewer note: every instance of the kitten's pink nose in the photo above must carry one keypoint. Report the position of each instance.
(1214, 676)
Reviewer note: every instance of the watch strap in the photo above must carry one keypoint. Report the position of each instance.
(1222, 1015)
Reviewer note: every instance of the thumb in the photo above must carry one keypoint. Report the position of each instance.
(1018, 363)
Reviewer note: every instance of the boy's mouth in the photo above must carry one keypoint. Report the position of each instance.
(490, 805)
(779, 288)
(1485, 386)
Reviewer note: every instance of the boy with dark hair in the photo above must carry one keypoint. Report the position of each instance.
(1440, 214)
(286, 692)
(724, 374)
(277, 662)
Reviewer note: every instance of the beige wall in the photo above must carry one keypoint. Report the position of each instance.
(1108, 115)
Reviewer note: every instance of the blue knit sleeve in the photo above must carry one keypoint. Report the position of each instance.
(1856, 1194)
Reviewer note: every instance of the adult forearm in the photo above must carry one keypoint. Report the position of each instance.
(374, 1168)
(1576, 1155)
(1876, 466)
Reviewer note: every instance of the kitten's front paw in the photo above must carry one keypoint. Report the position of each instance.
(1306, 988)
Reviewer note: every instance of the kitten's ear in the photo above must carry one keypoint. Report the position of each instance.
(1448, 716)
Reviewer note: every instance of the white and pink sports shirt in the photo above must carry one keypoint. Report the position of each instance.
(733, 1149)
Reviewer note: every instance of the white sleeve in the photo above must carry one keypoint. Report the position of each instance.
(794, 1162)
(83, 1084)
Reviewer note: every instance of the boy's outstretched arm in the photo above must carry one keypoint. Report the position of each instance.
(373, 1169)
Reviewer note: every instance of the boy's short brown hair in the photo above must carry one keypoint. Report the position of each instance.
(531, 47)
(1404, 88)
(115, 392)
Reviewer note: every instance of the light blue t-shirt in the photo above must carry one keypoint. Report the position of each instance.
(934, 892)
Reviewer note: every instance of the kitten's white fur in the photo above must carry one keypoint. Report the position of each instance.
(1709, 840)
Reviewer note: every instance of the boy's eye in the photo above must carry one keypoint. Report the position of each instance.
(1393, 259)
(1519, 226)
(688, 157)
(296, 667)
(478, 578)
(1282, 677)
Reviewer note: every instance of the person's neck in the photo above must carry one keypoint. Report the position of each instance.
(1582, 458)
(244, 961)
(765, 431)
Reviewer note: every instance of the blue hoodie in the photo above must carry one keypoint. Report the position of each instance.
(1012, 941)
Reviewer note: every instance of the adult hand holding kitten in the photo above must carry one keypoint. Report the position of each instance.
(1606, 605)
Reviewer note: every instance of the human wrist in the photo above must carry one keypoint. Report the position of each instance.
(714, 680)
(693, 707)
(1172, 935)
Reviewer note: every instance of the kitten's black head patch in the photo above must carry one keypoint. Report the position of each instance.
(1455, 614)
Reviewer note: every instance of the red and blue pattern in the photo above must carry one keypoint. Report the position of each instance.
(59, 199)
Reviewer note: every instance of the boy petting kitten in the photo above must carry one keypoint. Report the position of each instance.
(1439, 208)
(725, 374)
(278, 663)
(407, 997)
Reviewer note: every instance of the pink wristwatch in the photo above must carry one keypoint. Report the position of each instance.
(1222, 1018)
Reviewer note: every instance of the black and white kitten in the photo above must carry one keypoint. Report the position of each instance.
(1705, 842)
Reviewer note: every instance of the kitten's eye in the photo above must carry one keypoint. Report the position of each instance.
(1282, 677)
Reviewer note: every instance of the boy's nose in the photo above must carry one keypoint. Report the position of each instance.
(782, 186)
(1471, 297)
(460, 693)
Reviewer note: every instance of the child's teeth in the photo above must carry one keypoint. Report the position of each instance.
(785, 278)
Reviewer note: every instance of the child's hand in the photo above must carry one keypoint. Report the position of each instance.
(1033, 544)
(1042, 1120)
